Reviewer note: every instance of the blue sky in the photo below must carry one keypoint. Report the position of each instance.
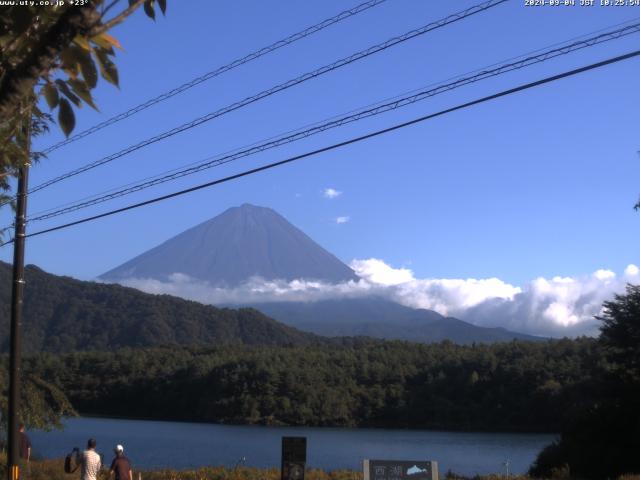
(538, 184)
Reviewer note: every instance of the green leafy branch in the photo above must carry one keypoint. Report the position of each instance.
(57, 54)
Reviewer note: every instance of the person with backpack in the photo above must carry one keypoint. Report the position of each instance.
(121, 466)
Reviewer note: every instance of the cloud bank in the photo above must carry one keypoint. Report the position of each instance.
(560, 306)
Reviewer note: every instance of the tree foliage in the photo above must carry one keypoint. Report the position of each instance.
(43, 404)
(55, 53)
(620, 334)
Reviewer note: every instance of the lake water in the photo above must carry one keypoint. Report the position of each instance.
(151, 444)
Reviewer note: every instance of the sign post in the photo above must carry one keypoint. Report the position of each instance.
(294, 458)
(400, 470)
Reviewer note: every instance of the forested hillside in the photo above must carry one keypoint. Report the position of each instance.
(509, 386)
(62, 314)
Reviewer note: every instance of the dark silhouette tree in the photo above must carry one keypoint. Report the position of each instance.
(620, 334)
(601, 437)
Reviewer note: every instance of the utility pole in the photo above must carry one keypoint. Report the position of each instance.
(13, 457)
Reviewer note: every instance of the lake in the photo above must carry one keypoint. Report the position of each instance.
(152, 444)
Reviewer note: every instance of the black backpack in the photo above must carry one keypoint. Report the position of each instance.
(71, 461)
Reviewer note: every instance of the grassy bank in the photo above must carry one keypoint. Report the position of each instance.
(53, 470)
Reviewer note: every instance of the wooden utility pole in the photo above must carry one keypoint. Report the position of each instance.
(13, 458)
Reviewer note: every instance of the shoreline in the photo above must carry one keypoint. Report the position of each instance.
(442, 429)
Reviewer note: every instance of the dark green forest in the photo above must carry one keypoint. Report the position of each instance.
(511, 386)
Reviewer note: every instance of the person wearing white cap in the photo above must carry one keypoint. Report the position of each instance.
(121, 466)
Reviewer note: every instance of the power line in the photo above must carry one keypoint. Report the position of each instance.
(340, 121)
(278, 88)
(334, 117)
(269, 166)
(214, 73)
(219, 71)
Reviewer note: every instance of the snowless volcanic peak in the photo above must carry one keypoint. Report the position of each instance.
(238, 244)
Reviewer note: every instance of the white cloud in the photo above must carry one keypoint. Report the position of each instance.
(560, 306)
(604, 275)
(632, 271)
(340, 220)
(443, 295)
(331, 193)
(378, 272)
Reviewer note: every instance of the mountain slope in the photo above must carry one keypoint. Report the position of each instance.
(64, 314)
(238, 244)
(379, 318)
